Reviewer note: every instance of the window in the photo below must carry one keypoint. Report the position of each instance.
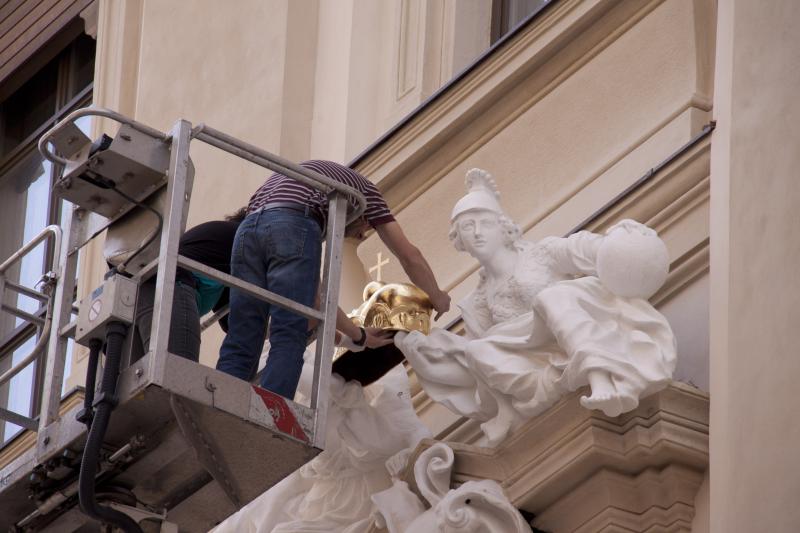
(507, 14)
(29, 108)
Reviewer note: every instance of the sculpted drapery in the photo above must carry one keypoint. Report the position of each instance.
(331, 493)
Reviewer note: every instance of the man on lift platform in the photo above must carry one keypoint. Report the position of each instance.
(278, 247)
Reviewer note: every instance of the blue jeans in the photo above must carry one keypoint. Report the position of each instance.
(278, 250)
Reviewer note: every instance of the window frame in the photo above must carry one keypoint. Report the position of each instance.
(63, 106)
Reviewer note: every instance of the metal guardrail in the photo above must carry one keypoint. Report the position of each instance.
(179, 186)
(46, 138)
(278, 164)
(43, 325)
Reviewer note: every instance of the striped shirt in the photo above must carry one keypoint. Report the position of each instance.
(280, 188)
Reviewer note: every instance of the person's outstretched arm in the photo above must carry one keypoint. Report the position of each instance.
(414, 264)
(375, 336)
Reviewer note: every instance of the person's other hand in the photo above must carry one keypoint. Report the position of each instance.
(441, 302)
(377, 337)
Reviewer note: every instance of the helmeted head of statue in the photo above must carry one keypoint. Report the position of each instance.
(482, 194)
(477, 223)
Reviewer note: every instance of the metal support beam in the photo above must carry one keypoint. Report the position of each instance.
(332, 271)
(179, 187)
(18, 419)
(33, 319)
(214, 318)
(22, 289)
(249, 288)
(207, 453)
(38, 348)
(276, 163)
(66, 267)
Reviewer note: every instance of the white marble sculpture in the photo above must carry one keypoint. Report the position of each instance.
(366, 427)
(546, 318)
(475, 506)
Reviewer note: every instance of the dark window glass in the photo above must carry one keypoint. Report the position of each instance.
(507, 14)
(45, 93)
(81, 65)
(28, 108)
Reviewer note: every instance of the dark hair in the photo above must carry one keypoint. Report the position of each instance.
(238, 215)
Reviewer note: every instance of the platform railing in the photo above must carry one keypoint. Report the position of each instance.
(178, 194)
(41, 324)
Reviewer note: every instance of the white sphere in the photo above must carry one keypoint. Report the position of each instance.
(632, 261)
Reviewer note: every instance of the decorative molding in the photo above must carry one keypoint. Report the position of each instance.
(502, 88)
(655, 500)
(669, 196)
(684, 271)
(89, 16)
(473, 506)
(407, 48)
(639, 470)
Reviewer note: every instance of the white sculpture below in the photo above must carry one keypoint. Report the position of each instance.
(546, 318)
(366, 427)
(475, 506)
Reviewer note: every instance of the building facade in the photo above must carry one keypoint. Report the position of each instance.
(677, 113)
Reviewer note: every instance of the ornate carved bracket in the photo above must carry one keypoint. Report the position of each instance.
(577, 470)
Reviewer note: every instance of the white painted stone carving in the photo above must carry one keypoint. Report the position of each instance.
(475, 506)
(546, 318)
(366, 426)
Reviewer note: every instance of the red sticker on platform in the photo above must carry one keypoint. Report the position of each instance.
(282, 415)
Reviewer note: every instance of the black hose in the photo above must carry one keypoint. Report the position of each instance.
(87, 413)
(106, 401)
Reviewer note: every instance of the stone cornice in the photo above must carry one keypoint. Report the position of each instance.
(643, 466)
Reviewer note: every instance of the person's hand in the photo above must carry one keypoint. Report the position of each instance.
(377, 337)
(346, 342)
(441, 302)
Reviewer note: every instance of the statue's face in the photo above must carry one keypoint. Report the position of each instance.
(480, 233)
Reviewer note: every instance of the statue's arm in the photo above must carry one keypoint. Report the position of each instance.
(576, 254)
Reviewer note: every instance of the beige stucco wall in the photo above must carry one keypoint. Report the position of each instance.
(377, 61)
(755, 484)
(223, 67)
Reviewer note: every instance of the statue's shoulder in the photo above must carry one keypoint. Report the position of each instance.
(539, 253)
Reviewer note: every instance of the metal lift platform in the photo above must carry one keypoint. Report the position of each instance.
(186, 445)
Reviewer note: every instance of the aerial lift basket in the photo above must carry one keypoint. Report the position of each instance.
(186, 445)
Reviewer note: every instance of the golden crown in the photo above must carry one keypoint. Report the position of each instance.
(395, 306)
